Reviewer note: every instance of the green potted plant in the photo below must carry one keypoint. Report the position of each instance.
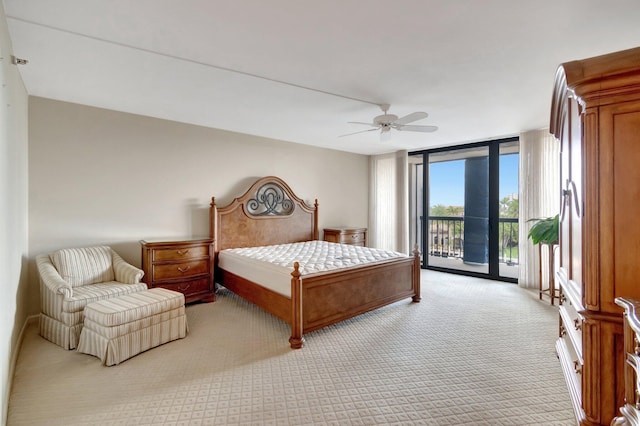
(545, 230)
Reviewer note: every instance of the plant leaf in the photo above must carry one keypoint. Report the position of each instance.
(545, 230)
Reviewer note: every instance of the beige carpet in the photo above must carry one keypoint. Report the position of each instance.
(474, 352)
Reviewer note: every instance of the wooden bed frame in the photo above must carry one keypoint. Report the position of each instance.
(270, 213)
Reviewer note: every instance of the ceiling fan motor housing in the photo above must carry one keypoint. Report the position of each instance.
(385, 120)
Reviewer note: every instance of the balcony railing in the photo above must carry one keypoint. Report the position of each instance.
(446, 238)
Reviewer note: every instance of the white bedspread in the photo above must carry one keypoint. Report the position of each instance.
(271, 266)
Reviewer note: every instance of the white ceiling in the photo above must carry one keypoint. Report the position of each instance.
(300, 70)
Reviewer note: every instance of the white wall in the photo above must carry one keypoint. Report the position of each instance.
(103, 177)
(13, 211)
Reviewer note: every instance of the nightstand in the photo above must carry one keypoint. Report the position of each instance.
(184, 265)
(346, 235)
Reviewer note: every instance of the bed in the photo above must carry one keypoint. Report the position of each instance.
(270, 214)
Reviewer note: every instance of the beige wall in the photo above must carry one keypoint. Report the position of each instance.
(13, 211)
(103, 177)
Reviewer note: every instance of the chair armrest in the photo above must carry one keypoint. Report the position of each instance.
(125, 272)
(50, 278)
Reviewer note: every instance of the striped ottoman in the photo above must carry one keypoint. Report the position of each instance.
(121, 327)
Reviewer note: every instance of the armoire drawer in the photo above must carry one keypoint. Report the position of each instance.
(571, 327)
(572, 366)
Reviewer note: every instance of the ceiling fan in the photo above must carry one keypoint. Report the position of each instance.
(386, 122)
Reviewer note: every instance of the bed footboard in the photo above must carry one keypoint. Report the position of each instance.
(319, 301)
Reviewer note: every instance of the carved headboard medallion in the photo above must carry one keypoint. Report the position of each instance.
(270, 200)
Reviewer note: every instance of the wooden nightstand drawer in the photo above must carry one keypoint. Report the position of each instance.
(353, 238)
(160, 255)
(170, 271)
(346, 235)
(189, 288)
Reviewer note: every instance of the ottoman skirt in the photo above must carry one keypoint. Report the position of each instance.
(117, 329)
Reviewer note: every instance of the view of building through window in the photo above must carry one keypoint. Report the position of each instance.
(458, 230)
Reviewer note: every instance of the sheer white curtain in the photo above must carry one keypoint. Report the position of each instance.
(539, 196)
(389, 201)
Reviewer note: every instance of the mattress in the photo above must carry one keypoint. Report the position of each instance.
(271, 266)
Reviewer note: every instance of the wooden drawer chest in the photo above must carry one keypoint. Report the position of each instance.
(185, 266)
(346, 235)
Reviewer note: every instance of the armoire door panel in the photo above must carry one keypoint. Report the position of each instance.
(564, 266)
(620, 208)
(590, 250)
(575, 195)
(571, 181)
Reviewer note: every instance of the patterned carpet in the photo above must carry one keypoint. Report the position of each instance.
(473, 352)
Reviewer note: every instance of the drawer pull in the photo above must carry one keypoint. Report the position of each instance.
(577, 324)
(183, 252)
(184, 287)
(183, 270)
(577, 367)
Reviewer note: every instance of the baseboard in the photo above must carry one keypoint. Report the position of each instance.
(14, 356)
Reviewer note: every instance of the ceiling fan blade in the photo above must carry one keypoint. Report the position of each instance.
(360, 122)
(410, 118)
(416, 128)
(361, 131)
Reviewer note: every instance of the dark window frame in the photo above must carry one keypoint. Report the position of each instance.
(494, 206)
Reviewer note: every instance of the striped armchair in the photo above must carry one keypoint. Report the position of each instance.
(70, 279)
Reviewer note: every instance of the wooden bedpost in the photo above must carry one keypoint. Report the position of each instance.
(316, 235)
(416, 274)
(213, 212)
(296, 340)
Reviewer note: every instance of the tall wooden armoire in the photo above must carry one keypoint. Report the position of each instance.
(595, 113)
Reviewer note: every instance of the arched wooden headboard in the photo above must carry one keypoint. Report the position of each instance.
(268, 213)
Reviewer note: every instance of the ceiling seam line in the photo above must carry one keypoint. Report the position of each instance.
(192, 61)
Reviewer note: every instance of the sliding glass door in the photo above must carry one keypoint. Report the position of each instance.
(466, 208)
(508, 226)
